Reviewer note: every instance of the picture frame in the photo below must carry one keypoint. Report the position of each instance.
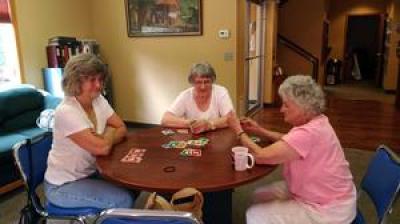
(147, 18)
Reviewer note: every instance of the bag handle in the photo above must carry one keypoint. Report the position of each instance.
(194, 206)
(155, 201)
(187, 192)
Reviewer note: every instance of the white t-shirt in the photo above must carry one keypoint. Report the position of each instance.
(67, 161)
(185, 106)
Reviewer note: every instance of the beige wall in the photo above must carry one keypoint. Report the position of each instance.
(304, 27)
(39, 20)
(148, 73)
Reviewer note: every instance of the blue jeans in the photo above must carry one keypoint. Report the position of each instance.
(88, 192)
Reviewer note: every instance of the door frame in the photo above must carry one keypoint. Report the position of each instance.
(260, 44)
(381, 37)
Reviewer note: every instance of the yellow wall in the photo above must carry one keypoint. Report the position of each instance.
(241, 107)
(271, 22)
(39, 20)
(149, 72)
(304, 27)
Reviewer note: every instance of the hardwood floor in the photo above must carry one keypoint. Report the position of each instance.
(362, 124)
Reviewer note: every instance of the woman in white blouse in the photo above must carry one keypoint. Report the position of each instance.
(202, 107)
(85, 126)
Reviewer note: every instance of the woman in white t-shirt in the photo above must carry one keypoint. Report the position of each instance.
(85, 126)
(202, 107)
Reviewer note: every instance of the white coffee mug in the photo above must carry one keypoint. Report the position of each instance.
(241, 157)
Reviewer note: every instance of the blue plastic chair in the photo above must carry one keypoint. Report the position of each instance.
(31, 158)
(139, 216)
(381, 182)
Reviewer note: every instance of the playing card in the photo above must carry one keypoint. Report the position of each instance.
(131, 159)
(180, 145)
(166, 146)
(255, 139)
(198, 143)
(174, 145)
(134, 155)
(183, 131)
(184, 152)
(196, 152)
(204, 139)
(168, 132)
(136, 150)
(191, 152)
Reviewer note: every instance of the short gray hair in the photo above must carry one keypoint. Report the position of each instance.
(305, 92)
(79, 66)
(203, 69)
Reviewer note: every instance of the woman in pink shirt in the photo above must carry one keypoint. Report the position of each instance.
(318, 185)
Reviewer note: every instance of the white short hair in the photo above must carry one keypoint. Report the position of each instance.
(305, 92)
(203, 69)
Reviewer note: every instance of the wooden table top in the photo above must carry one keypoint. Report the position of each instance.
(213, 171)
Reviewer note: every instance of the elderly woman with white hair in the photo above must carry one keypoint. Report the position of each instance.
(318, 185)
(203, 107)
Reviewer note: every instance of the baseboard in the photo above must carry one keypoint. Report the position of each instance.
(390, 91)
(131, 124)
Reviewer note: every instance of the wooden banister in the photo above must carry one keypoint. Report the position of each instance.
(302, 52)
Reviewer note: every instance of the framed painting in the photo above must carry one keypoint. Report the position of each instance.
(163, 17)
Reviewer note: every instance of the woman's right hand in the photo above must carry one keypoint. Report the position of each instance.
(199, 126)
(234, 123)
(249, 125)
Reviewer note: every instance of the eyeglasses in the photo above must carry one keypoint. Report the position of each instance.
(202, 82)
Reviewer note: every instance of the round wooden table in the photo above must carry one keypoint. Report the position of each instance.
(165, 170)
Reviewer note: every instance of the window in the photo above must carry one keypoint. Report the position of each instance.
(9, 64)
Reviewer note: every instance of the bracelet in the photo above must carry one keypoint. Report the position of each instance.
(240, 134)
(211, 125)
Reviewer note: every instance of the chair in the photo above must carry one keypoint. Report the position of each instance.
(139, 216)
(31, 158)
(381, 183)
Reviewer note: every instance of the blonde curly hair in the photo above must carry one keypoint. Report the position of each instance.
(78, 67)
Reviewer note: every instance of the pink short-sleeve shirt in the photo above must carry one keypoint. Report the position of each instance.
(322, 173)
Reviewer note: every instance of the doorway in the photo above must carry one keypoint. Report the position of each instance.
(254, 61)
(364, 52)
